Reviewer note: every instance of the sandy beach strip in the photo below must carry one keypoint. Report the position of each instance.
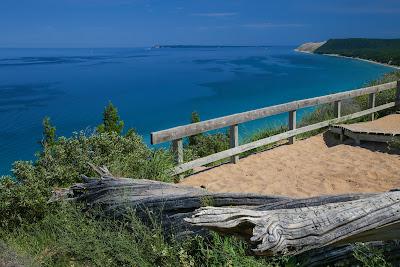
(363, 59)
(318, 165)
(355, 58)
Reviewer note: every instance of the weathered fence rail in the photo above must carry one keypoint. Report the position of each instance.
(177, 134)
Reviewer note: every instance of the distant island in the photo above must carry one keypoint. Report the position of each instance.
(205, 46)
(385, 51)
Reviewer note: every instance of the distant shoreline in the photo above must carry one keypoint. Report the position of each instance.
(356, 58)
(363, 59)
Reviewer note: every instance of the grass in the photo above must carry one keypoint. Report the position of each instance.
(70, 237)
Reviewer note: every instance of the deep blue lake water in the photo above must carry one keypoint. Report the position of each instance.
(155, 89)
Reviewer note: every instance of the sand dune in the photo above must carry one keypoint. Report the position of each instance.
(315, 166)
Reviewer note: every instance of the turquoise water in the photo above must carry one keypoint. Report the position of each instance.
(155, 89)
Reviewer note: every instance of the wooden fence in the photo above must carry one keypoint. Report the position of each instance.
(177, 134)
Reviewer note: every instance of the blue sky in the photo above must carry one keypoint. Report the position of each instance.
(132, 23)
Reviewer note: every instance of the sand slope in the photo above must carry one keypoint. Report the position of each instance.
(315, 166)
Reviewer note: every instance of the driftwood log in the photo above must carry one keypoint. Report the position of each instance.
(320, 227)
(293, 231)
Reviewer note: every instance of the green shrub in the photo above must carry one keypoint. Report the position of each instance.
(23, 197)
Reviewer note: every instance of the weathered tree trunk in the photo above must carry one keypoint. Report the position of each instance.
(272, 224)
(293, 231)
(119, 196)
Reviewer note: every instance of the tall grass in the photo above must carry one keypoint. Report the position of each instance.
(69, 237)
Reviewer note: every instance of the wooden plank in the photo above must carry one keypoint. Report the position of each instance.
(292, 125)
(177, 148)
(234, 141)
(338, 113)
(369, 137)
(208, 125)
(275, 138)
(371, 103)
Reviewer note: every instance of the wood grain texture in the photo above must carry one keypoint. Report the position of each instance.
(118, 196)
(294, 231)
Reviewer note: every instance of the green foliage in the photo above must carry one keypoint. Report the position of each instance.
(127, 156)
(380, 50)
(23, 197)
(68, 237)
(207, 201)
(49, 133)
(228, 251)
(195, 117)
(111, 121)
(9, 258)
(369, 256)
(382, 97)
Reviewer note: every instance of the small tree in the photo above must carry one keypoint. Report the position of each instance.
(49, 133)
(195, 117)
(111, 121)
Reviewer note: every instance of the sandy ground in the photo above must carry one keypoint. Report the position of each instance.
(316, 166)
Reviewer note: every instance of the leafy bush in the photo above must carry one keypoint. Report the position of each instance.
(23, 197)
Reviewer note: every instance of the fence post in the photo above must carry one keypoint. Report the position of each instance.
(371, 103)
(177, 150)
(292, 125)
(338, 108)
(398, 94)
(234, 141)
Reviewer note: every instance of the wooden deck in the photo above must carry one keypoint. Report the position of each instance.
(385, 129)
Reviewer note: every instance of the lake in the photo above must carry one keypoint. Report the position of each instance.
(155, 89)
